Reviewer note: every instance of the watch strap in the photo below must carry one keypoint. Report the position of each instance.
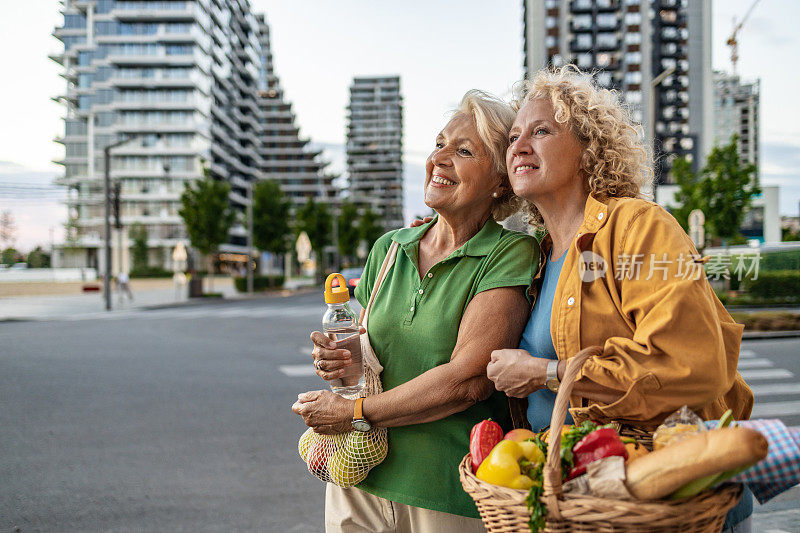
(358, 411)
(552, 371)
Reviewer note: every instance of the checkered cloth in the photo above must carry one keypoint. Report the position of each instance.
(780, 470)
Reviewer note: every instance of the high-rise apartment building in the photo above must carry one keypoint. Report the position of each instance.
(375, 147)
(191, 84)
(736, 112)
(288, 158)
(628, 45)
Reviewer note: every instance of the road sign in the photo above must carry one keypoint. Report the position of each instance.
(696, 230)
(303, 247)
(179, 253)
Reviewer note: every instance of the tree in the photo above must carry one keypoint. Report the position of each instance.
(271, 214)
(724, 191)
(8, 228)
(139, 250)
(315, 220)
(728, 186)
(208, 216)
(369, 230)
(688, 194)
(787, 234)
(11, 256)
(37, 258)
(347, 226)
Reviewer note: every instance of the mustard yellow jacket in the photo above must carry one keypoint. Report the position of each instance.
(631, 284)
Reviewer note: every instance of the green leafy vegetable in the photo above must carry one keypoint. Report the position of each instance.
(534, 500)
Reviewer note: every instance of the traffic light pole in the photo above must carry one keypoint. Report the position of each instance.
(107, 195)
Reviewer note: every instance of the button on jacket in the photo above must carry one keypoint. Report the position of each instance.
(631, 284)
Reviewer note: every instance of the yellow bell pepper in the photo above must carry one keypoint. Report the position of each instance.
(502, 465)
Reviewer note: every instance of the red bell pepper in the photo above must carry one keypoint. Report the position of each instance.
(597, 445)
(483, 437)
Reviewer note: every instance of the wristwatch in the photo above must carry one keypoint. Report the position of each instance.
(359, 422)
(552, 383)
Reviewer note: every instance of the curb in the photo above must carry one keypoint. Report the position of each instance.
(766, 307)
(285, 293)
(764, 335)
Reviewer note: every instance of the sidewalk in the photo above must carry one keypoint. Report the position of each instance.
(61, 299)
(146, 293)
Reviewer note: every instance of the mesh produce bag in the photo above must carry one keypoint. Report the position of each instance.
(347, 458)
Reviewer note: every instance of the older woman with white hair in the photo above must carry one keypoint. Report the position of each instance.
(616, 271)
(433, 326)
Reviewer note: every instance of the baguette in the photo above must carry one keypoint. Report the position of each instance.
(663, 471)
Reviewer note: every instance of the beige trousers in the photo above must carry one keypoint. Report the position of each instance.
(355, 511)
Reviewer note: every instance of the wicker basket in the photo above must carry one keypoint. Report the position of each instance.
(503, 510)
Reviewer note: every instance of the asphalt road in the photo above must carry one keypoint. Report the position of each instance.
(179, 419)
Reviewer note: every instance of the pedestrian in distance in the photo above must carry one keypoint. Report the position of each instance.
(433, 326)
(124, 286)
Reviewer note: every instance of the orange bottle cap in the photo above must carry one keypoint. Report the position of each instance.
(336, 295)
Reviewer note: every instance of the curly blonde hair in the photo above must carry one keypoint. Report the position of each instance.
(615, 159)
(493, 119)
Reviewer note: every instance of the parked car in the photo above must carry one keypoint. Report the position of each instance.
(351, 277)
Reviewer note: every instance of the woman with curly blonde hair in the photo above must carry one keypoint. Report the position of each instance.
(616, 271)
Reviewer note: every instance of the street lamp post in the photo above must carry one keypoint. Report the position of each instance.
(249, 237)
(107, 195)
(651, 125)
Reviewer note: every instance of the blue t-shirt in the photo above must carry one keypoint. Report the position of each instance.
(537, 341)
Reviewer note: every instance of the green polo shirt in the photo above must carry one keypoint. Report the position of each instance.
(413, 327)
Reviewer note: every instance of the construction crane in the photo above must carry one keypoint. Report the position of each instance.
(732, 41)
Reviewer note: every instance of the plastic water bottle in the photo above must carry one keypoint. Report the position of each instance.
(340, 323)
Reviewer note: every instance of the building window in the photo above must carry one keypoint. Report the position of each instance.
(633, 37)
(633, 57)
(604, 78)
(550, 22)
(606, 21)
(585, 60)
(584, 41)
(74, 22)
(582, 22)
(606, 40)
(633, 97)
(632, 19)
(603, 60)
(633, 78)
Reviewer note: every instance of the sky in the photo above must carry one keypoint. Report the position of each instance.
(440, 48)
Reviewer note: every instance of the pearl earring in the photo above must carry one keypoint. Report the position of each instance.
(495, 195)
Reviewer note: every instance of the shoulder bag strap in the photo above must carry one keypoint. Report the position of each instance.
(370, 359)
(387, 264)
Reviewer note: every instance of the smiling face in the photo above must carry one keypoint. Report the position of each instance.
(544, 156)
(459, 174)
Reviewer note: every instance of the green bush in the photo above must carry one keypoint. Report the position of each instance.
(150, 272)
(260, 283)
(785, 260)
(774, 285)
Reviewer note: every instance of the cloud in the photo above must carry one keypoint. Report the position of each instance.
(36, 210)
(768, 32)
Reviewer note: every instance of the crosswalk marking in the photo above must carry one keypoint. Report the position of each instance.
(769, 373)
(189, 313)
(295, 371)
(773, 409)
(746, 354)
(756, 363)
(776, 389)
